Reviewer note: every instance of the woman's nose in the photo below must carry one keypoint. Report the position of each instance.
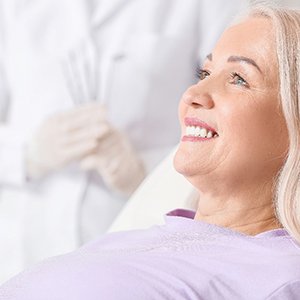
(198, 98)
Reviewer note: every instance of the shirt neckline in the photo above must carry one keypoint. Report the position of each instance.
(182, 220)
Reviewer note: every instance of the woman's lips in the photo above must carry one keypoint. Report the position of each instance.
(187, 138)
(188, 121)
(197, 130)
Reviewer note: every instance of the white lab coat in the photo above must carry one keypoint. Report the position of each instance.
(148, 52)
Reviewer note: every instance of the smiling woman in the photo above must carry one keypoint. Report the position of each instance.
(240, 149)
(238, 96)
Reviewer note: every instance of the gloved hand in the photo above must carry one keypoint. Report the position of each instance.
(117, 162)
(64, 138)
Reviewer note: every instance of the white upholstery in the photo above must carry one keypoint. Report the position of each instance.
(163, 190)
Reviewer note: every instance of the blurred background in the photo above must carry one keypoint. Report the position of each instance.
(88, 107)
(288, 3)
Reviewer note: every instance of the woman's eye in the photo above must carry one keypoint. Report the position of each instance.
(202, 74)
(238, 80)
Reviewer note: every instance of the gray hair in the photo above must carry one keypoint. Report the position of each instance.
(286, 24)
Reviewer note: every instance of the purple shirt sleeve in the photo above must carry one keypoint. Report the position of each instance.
(290, 291)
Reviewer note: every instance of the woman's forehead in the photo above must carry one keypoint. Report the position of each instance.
(252, 39)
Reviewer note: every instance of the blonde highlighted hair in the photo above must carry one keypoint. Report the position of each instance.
(286, 24)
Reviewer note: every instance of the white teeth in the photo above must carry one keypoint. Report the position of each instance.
(203, 132)
(209, 135)
(199, 132)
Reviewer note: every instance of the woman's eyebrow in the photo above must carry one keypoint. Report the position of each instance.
(235, 58)
(244, 59)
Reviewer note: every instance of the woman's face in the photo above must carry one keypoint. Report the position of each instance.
(235, 107)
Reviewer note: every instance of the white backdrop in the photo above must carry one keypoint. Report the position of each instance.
(290, 3)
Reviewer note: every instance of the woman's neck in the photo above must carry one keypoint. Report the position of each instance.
(244, 215)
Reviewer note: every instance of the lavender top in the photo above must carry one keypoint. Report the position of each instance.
(183, 259)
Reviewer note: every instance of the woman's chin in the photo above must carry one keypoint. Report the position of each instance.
(184, 164)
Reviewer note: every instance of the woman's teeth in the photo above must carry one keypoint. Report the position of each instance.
(197, 131)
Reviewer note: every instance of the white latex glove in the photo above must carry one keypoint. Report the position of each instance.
(64, 138)
(117, 162)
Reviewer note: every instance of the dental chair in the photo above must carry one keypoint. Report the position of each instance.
(162, 191)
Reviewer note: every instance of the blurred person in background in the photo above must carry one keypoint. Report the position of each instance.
(89, 93)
